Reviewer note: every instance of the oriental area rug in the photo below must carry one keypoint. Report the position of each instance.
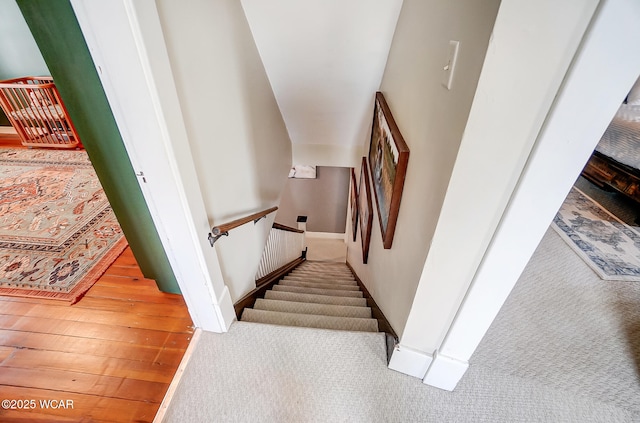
(58, 234)
(608, 245)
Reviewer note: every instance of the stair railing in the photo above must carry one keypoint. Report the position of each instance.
(284, 245)
(282, 253)
(223, 230)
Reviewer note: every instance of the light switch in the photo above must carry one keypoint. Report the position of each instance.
(449, 67)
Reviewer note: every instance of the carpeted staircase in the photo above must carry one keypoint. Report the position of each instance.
(322, 295)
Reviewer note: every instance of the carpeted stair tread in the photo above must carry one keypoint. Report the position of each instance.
(315, 298)
(311, 308)
(341, 269)
(321, 272)
(311, 284)
(310, 320)
(302, 290)
(325, 268)
(321, 279)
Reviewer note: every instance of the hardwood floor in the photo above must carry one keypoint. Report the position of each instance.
(9, 137)
(112, 354)
(108, 358)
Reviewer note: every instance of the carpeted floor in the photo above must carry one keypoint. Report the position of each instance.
(58, 233)
(564, 348)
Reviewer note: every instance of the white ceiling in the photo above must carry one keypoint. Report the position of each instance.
(325, 60)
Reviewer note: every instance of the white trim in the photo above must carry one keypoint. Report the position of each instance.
(325, 235)
(168, 396)
(224, 308)
(445, 372)
(126, 43)
(409, 361)
(583, 109)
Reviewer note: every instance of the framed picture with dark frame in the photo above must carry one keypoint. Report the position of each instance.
(354, 204)
(388, 158)
(365, 210)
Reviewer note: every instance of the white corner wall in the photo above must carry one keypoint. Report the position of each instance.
(432, 120)
(325, 60)
(328, 155)
(531, 49)
(240, 145)
(127, 46)
(561, 151)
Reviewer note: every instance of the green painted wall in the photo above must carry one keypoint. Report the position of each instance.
(58, 35)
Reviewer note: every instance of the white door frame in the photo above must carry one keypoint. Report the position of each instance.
(126, 43)
(604, 69)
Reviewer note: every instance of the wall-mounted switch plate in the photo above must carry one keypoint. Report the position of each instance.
(451, 64)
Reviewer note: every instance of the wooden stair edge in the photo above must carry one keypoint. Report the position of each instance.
(376, 313)
(263, 284)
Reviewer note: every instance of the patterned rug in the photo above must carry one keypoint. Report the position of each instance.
(609, 246)
(58, 233)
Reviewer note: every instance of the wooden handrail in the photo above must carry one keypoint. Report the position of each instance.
(223, 230)
(286, 228)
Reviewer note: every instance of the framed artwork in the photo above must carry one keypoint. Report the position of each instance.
(365, 210)
(388, 158)
(354, 204)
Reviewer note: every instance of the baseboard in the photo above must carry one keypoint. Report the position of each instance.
(225, 309)
(324, 235)
(164, 406)
(445, 372)
(409, 361)
(376, 313)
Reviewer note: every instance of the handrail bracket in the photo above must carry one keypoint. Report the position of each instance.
(214, 238)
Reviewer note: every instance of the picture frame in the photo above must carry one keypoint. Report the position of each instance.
(388, 159)
(365, 210)
(354, 204)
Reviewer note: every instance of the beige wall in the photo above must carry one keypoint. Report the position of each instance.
(323, 200)
(235, 129)
(432, 120)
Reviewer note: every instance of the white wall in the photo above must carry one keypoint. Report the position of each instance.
(127, 46)
(580, 114)
(432, 120)
(532, 46)
(240, 145)
(328, 155)
(325, 60)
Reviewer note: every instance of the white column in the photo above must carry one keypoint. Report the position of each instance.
(600, 77)
(127, 46)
